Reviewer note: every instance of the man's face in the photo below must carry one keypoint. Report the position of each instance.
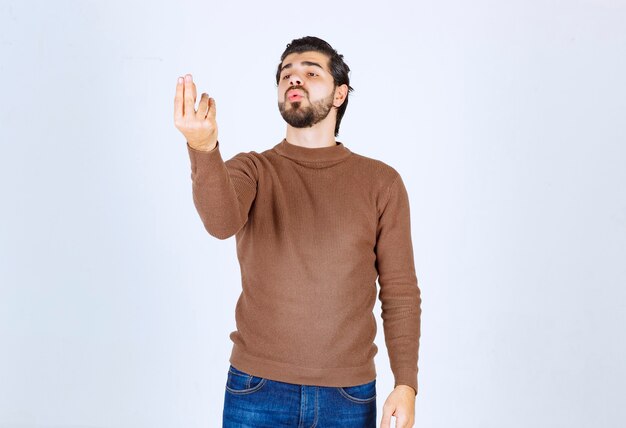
(305, 89)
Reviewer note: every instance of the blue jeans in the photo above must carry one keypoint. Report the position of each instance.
(257, 402)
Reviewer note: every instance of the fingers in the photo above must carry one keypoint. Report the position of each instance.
(185, 100)
(211, 112)
(385, 421)
(403, 422)
(189, 95)
(203, 106)
(178, 100)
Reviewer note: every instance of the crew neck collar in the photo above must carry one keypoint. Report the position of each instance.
(319, 155)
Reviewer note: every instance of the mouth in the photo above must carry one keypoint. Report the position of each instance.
(294, 95)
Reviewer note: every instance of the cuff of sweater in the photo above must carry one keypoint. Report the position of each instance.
(406, 376)
(204, 157)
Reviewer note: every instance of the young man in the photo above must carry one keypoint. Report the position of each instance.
(316, 224)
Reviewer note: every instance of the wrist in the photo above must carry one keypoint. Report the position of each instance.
(203, 147)
(407, 388)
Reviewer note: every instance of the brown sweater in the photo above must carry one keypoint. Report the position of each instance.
(314, 228)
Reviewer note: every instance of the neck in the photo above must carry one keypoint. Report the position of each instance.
(322, 134)
(313, 157)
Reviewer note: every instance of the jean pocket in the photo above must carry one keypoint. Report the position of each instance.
(240, 382)
(364, 393)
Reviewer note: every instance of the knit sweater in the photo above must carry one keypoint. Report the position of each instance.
(315, 228)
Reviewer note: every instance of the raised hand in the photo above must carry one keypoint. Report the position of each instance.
(199, 127)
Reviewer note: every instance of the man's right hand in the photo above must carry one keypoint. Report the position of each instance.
(199, 127)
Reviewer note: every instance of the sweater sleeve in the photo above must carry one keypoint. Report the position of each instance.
(399, 292)
(223, 192)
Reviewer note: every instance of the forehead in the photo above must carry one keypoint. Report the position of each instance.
(295, 59)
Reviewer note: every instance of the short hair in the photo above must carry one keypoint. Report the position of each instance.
(337, 66)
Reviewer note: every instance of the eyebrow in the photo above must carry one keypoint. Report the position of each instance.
(304, 63)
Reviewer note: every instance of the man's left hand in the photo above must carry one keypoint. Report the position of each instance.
(401, 404)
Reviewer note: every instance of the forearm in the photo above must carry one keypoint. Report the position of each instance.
(214, 194)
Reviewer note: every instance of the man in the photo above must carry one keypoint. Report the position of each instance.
(316, 224)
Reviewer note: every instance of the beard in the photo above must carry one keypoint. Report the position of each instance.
(300, 116)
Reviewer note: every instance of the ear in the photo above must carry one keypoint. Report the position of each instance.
(341, 92)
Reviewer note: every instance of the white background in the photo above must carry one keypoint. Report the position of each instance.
(506, 120)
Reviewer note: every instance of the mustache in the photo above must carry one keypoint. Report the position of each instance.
(298, 88)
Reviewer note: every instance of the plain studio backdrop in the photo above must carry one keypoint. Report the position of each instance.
(506, 119)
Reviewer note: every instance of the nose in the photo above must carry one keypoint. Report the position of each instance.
(294, 80)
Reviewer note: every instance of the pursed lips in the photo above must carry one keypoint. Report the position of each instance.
(293, 93)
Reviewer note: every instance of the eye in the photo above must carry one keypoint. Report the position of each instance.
(286, 76)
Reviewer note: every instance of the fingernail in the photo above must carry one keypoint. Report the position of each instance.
(180, 80)
(188, 78)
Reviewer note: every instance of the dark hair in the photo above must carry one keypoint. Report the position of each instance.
(338, 68)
